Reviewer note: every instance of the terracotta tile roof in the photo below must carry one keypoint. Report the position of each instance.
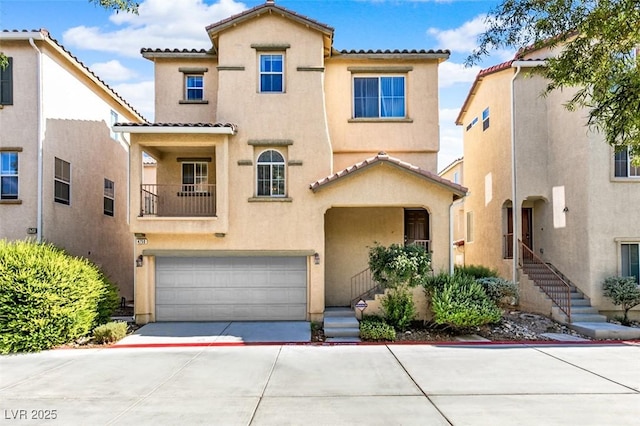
(47, 36)
(183, 51)
(382, 157)
(395, 52)
(262, 8)
(232, 126)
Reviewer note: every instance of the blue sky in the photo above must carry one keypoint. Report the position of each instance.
(110, 43)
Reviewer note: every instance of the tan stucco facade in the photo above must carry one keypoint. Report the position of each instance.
(62, 110)
(579, 212)
(331, 220)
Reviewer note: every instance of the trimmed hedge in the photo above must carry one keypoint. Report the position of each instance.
(48, 298)
(373, 328)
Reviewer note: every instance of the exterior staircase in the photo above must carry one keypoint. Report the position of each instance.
(341, 326)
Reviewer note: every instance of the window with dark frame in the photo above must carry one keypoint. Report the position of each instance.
(62, 182)
(6, 83)
(630, 256)
(8, 175)
(195, 177)
(109, 197)
(485, 119)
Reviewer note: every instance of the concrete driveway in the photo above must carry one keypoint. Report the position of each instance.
(204, 333)
(566, 384)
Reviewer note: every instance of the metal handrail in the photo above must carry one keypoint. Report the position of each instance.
(179, 200)
(558, 290)
(363, 286)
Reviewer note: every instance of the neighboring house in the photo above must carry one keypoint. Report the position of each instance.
(576, 201)
(454, 173)
(64, 172)
(280, 161)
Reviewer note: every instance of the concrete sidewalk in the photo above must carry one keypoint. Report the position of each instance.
(586, 384)
(203, 333)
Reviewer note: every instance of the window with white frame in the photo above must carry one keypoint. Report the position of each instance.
(114, 120)
(62, 182)
(8, 175)
(109, 197)
(379, 97)
(194, 87)
(630, 260)
(472, 123)
(195, 176)
(272, 73)
(623, 166)
(271, 174)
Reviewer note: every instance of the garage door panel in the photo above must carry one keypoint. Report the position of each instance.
(231, 289)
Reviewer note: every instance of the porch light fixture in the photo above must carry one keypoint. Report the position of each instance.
(566, 209)
(139, 261)
(316, 258)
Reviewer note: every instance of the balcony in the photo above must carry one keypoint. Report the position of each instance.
(177, 200)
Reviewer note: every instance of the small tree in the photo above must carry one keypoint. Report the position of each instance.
(624, 292)
(398, 268)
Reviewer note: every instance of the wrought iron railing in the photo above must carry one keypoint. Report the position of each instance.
(554, 286)
(177, 200)
(363, 286)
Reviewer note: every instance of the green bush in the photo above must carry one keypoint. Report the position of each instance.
(463, 303)
(624, 292)
(47, 297)
(476, 271)
(502, 292)
(374, 328)
(110, 332)
(399, 265)
(399, 309)
(437, 282)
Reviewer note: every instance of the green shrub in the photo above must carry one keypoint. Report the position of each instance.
(374, 328)
(47, 298)
(399, 309)
(110, 332)
(463, 303)
(475, 271)
(624, 292)
(502, 292)
(437, 282)
(399, 265)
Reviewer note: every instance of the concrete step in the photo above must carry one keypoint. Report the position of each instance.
(606, 330)
(342, 340)
(342, 332)
(579, 302)
(587, 309)
(341, 322)
(339, 312)
(587, 318)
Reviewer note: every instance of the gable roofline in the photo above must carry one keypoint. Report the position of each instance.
(431, 54)
(269, 7)
(174, 128)
(384, 158)
(451, 165)
(44, 36)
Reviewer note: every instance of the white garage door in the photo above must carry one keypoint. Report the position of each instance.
(231, 288)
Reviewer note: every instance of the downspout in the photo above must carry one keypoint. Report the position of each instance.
(39, 222)
(451, 253)
(514, 209)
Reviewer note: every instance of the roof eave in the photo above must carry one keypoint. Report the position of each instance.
(222, 130)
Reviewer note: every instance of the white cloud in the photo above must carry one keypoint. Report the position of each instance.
(449, 115)
(451, 147)
(159, 24)
(113, 71)
(461, 39)
(139, 95)
(450, 73)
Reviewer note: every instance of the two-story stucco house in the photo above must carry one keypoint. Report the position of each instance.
(279, 161)
(538, 171)
(63, 173)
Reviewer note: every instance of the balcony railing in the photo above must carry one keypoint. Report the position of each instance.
(425, 244)
(177, 200)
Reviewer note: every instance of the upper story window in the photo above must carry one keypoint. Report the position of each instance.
(623, 166)
(6, 84)
(472, 123)
(272, 73)
(8, 175)
(195, 176)
(379, 97)
(485, 119)
(109, 197)
(62, 182)
(271, 174)
(194, 87)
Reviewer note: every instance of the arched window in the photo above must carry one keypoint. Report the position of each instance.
(271, 174)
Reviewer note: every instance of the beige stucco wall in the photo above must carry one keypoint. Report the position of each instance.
(76, 114)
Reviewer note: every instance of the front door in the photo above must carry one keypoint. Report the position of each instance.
(527, 227)
(416, 227)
